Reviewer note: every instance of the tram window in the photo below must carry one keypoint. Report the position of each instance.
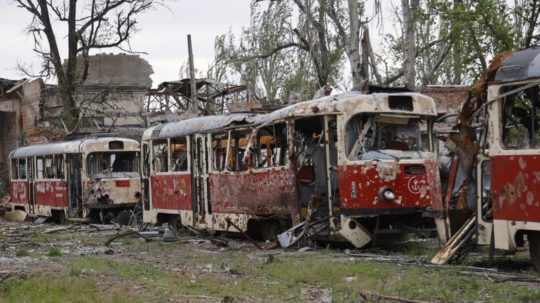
(179, 152)
(160, 160)
(237, 151)
(521, 119)
(113, 164)
(59, 166)
(14, 170)
(49, 168)
(39, 168)
(22, 168)
(375, 133)
(271, 146)
(219, 151)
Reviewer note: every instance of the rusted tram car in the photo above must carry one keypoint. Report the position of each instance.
(92, 178)
(505, 192)
(358, 162)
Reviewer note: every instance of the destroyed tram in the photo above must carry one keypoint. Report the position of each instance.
(504, 193)
(349, 166)
(94, 178)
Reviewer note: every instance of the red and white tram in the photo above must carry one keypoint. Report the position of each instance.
(358, 162)
(87, 178)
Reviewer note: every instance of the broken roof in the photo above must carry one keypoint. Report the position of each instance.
(521, 65)
(196, 125)
(351, 102)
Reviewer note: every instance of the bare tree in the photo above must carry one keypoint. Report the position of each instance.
(91, 25)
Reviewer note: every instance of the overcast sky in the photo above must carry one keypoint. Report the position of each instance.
(163, 35)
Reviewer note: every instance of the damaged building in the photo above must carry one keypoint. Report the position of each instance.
(111, 101)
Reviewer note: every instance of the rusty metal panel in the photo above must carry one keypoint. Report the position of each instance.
(268, 192)
(171, 191)
(51, 193)
(360, 185)
(515, 183)
(19, 192)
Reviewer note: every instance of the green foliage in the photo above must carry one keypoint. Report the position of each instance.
(54, 252)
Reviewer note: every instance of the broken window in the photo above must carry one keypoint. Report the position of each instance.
(59, 166)
(160, 160)
(113, 165)
(237, 148)
(271, 146)
(219, 151)
(21, 167)
(521, 118)
(384, 136)
(14, 169)
(179, 152)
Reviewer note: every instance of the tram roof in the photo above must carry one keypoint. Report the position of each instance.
(69, 147)
(521, 65)
(354, 102)
(196, 125)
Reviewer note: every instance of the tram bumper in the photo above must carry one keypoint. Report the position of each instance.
(354, 232)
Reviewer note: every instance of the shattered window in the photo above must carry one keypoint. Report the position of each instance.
(113, 165)
(160, 160)
(271, 146)
(521, 119)
(59, 166)
(14, 169)
(219, 151)
(49, 168)
(179, 152)
(22, 168)
(238, 149)
(385, 136)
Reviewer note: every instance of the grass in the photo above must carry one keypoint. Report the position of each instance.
(172, 271)
(54, 252)
(45, 289)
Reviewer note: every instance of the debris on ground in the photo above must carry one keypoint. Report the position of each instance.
(15, 216)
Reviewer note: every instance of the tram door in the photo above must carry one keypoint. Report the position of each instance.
(31, 185)
(200, 194)
(74, 171)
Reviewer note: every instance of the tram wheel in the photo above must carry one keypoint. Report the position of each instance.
(534, 248)
(123, 217)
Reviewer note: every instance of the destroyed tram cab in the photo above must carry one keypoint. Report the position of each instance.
(351, 164)
(508, 165)
(92, 178)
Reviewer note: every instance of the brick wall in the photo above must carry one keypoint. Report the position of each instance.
(447, 98)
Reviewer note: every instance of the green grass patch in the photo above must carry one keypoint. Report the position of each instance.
(54, 252)
(45, 289)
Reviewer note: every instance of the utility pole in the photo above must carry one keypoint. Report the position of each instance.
(194, 101)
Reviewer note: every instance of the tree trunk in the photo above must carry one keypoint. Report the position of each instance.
(409, 8)
(352, 48)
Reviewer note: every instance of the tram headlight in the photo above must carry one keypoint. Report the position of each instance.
(387, 194)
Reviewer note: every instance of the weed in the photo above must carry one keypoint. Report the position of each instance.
(54, 252)
(22, 253)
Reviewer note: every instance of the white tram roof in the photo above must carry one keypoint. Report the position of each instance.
(74, 146)
(196, 125)
(354, 102)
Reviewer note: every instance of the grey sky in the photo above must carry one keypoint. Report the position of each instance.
(163, 34)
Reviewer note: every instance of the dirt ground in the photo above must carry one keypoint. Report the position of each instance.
(71, 263)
